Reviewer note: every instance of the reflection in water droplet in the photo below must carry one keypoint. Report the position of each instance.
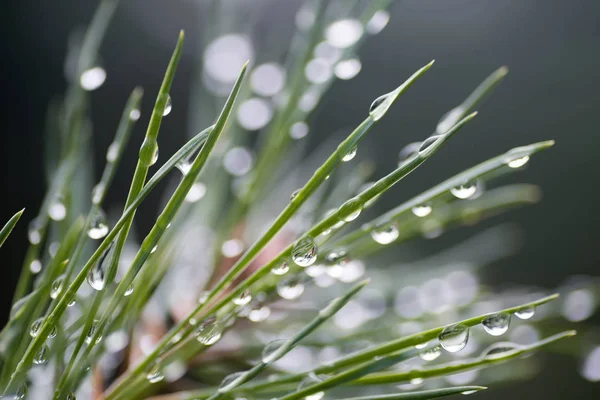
(376, 103)
(454, 338)
(298, 130)
(496, 324)
(422, 210)
(209, 331)
(243, 298)
(41, 357)
(525, 313)
(420, 345)
(304, 252)
(431, 353)
(96, 277)
(281, 269)
(254, 114)
(155, 374)
(517, 162)
(347, 69)
(271, 351)
(344, 33)
(57, 287)
(92, 332)
(238, 161)
(267, 79)
(168, 106)
(98, 226)
(290, 288)
(499, 350)
(385, 234)
(350, 154)
(464, 191)
(350, 210)
(377, 22)
(93, 78)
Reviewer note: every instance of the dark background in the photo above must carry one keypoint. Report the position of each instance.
(552, 48)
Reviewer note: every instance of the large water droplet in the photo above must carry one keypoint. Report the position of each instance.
(375, 105)
(98, 226)
(385, 234)
(231, 381)
(464, 191)
(128, 291)
(281, 269)
(304, 252)
(155, 374)
(454, 338)
(168, 106)
(350, 210)
(290, 288)
(431, 353)
(271, 351)
(517, 162)
(36, 326)
(92, 332)
(350, 154)
(41, 357)
(92, 78)
(209, 331)
(496, 324)
(525, 313)
(427, 143)
(259, 313)
(96, 277)
(243, 299)
(56, 287)
(499, 350)
(422, 210)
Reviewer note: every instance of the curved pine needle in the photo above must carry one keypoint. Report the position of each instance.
(8, 227)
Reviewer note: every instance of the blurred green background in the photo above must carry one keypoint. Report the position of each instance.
(551, 47)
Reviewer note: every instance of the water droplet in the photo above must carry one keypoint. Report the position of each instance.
(209, 331)
(196, 193)
(238, 161)
(267, 79)
(311, 380)
(294, 194)
(427, 144)
(56, 287)
(350, 210)
(298, 130)
(454, 338)
(517, 162)
(36, 326)
(231, 381)
(344, 33)
(243, 298)
(168, 106)
(422, 210)
(135, 114)
(184, 166)
(57, 209)
(290, 288)
(112, 152)
(339, 257)
(33, 233)
(408, 151)
(96, 277)
(254, 114)
(35, 267)
(271, 351)
(464, 191)
(20, 394)
(375, 105)
(468, 392)
(203, 297)
(350, 154)
(259, 313)
(154, 249)
(232, 248)
(155, 374)
(385, 234)
(128, 291)
(98, 226)
(304, 252)
(525, 313)
(499, 350)
(93, 78)
(98, 193)
(431, 353)
(496, 324)
(41, 357)
(421, 345)
(347, 69)
(281, 269)
(377, 22)
(72, 302)
(92, 332)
